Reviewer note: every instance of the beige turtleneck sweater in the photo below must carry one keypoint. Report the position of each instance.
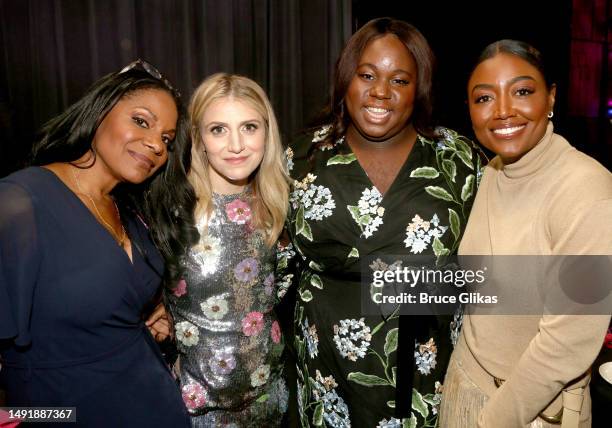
(555, 200)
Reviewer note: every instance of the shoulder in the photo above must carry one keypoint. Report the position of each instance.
(451, 144)
(579, 175)
(310, 148)
(33, 179)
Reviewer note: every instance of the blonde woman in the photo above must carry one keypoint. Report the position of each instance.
(228, 339)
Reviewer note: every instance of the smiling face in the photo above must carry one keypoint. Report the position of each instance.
(380, 97)
(131, 141)
(509, 103)
(234, 136)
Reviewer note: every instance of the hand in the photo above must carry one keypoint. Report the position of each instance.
(160, 324)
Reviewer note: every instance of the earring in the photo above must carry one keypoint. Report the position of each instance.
(550, 114)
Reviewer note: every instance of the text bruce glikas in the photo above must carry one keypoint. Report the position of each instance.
(421, 276)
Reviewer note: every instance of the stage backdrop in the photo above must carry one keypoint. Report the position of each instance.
(52, 50)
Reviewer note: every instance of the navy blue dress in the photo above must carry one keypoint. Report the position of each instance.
(71, 332)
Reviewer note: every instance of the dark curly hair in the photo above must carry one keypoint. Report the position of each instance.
(166, 200)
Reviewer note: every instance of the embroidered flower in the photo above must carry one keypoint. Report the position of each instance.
(312, 339)
(214, 307)
(321, 133)
(246, 270)
(368, 213)
(260, 375)
(193, 395)
(252, 323)
(275, 332)
(352, 338)
(425, 356)
(391, 423)
(284, 285)
(289, 158)
(317, 201)
(207, 252)
(335, 410)
(419, 233)
(181, 288)
(238, 211)
(187, 333)
(222, 363)
(269, 284)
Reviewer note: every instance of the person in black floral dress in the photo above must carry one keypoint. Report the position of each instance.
(377, 179)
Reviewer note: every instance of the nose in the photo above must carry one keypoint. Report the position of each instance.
(156, 145)
(505, 108)
(236, 145)
(380, 89)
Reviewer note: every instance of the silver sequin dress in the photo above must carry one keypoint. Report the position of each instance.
(227, 335)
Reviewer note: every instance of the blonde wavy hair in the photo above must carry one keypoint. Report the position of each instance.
(270, 182)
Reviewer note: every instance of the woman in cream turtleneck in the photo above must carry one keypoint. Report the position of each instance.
(538, 196)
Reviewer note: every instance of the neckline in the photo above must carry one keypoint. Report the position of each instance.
(90, 215)
(400, 172)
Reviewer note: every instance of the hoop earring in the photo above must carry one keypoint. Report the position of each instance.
(550, 114)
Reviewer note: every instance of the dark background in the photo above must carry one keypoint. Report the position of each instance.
(52, 50)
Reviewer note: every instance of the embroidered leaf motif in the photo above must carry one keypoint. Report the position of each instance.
(424, 172)
(450, 169)
(364, 220)
(342, 159)
(315, 281)
(462, 146)
(439, 192)
(306, 295)
(468, 188)
(315, 266)
(263, 398)
(299, 220)
(418, 404)
(354, 210)
(409, 423)
(391, 404)
(307, 232)
(394, 374)
(455, 223)
(282, 263)
(438, 247)
(317, 417)
(378, 327)
(354, 252)
(391, 341)
(366, 379)
(466, 159)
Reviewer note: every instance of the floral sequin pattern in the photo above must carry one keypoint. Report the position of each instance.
(215, 307)
(352, 338)
(252, 324)
(246, 270)
(194, 395)
(420, 233)
(207, 252)
(260, 375)
(187, 334)
(368, 214)
(222, 363)
(238, 211)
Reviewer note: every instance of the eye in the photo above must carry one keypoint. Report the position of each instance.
(483, 99)
(217, 130)
(140, 122)
(523, 92)
(167, 139)
(366, 76)
(250, 128)
(400, 82)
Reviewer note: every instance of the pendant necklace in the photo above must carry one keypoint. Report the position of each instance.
(117, 237)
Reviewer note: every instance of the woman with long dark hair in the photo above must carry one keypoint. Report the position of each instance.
(79, 262)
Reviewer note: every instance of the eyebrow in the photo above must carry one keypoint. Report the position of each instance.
(215, 122)
(510, 82)
(148, 110)
(397, 70)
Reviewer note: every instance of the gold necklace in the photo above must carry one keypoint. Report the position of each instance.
(119, 238)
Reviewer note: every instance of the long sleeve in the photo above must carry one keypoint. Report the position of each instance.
(19, 261)
(566, 345)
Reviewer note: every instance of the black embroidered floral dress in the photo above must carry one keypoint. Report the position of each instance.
(347, 361)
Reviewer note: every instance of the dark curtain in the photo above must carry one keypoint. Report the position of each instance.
(52, 50)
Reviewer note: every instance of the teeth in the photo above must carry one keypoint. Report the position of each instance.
(506, 131)
(377, 110)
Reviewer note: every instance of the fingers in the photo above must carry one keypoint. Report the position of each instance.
(157, 314)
